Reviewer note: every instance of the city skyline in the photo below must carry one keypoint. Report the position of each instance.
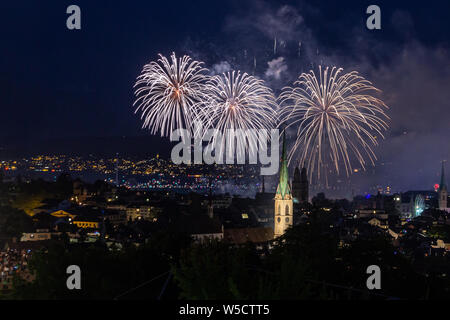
(226, 157)
(410, 46)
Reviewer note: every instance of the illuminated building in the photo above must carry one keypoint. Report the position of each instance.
(62, 214)
(442, 192)
(86, 223)
(283, 198)
(139, 212)
(419, 205)
(412, 203)
(375, 217)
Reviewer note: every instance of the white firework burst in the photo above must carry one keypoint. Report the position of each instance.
(238, 103)
(336, 118)
(167, 92)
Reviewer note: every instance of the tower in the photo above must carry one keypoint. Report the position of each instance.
(300, 186)
(304, 193)
(296, 186)
(442, 191)
(283, 198)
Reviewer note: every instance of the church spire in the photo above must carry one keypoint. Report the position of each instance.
(442, 192)
(283, 186)
(284, 203)
(442, 184)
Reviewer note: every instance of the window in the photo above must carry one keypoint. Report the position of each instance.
(287, 210)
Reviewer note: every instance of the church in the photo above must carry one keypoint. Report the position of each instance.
(300, 186)
(286, 195)
(443, 193)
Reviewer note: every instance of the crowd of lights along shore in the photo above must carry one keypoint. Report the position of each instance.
(135, 172)
(336, 120)
(156, 173)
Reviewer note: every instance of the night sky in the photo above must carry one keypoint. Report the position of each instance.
(60, 83)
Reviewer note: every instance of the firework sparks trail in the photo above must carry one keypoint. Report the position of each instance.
(238, 102)
(337, 119)
(167, 92)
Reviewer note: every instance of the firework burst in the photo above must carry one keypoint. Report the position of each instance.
(167, 92)
(239, 102)
(336, 117)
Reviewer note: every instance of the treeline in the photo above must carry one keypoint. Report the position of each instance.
(13, 222)
(307, 263)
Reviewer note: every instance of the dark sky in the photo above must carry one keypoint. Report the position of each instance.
(63, 83)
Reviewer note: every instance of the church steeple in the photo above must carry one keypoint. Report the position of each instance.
(297, 174)
(283, 186)
(442, 192)
(442, 184)
(283, 219)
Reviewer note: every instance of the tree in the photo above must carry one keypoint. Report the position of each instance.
(105, 273)
(14, 222)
